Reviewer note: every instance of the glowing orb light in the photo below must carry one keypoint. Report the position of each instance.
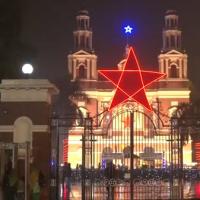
(27, 69)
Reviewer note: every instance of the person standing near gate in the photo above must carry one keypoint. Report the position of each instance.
(67, 178)
(34, 183)
(110, 174)
(11, 182)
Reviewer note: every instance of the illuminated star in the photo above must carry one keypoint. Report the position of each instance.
(131, 82)
(128, 29)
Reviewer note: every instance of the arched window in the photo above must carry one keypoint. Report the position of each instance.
(172, 22)
(22, 130)
(76, 42)
(82, 41)
(22, 133)
(172, 41)
(173, 71)
(82, 73)
(82, 24)
(87, 43)
(167, 42)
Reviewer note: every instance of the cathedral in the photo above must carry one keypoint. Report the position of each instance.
(111, 128)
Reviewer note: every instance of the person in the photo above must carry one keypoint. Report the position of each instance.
(10, 184)
(67, 175)
(110, 174)
(34, 183)
(5, 184)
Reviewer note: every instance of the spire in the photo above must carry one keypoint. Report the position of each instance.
(171, 32)
(127, 47)
(83, 33)
(172, 60)
(82, 62)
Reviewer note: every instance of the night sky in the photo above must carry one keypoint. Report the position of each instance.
(47, 25)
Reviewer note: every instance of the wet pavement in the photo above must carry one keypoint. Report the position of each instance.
(162, 191)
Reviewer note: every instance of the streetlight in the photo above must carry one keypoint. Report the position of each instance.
(27, 69)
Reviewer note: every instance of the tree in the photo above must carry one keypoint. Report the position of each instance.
(65, 104)
(12, 50)
(188, 119)
(195, 94)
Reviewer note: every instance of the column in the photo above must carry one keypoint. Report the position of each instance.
(162, 65)
(88, 68)
(167, 67)
(74, 69)
(181, 69)
(94, 68)
(185, 67)
(90, 40)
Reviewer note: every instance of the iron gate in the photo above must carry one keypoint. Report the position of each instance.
(127, 157)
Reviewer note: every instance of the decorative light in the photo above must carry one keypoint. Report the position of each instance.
(107, 117)
(65, 150)
(53, 162)
(27, 68)
(131, 82)
(128, 29)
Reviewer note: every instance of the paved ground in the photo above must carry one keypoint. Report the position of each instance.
(122, 192)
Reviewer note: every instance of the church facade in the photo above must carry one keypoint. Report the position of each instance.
(163, 96)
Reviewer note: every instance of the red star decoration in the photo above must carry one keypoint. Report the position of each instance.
(131, 82)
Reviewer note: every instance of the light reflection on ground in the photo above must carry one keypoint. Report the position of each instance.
(191, 191)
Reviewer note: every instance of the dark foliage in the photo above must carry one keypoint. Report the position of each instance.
(13, 52)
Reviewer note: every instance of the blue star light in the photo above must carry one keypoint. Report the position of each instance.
(128, 29)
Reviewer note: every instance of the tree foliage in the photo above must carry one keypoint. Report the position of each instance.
(13, 52)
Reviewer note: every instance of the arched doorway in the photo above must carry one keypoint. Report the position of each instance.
(82, 72)
(173, 71)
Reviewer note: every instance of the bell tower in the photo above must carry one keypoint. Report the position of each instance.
(83, 33)
(173, 59)
(82, 63)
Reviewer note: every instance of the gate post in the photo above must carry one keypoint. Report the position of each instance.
(87, 159)
(181, 166)
(27, 171)
(171, 156)
(83, 163)
(132, 151)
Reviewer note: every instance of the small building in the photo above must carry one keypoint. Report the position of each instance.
(25, 111)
